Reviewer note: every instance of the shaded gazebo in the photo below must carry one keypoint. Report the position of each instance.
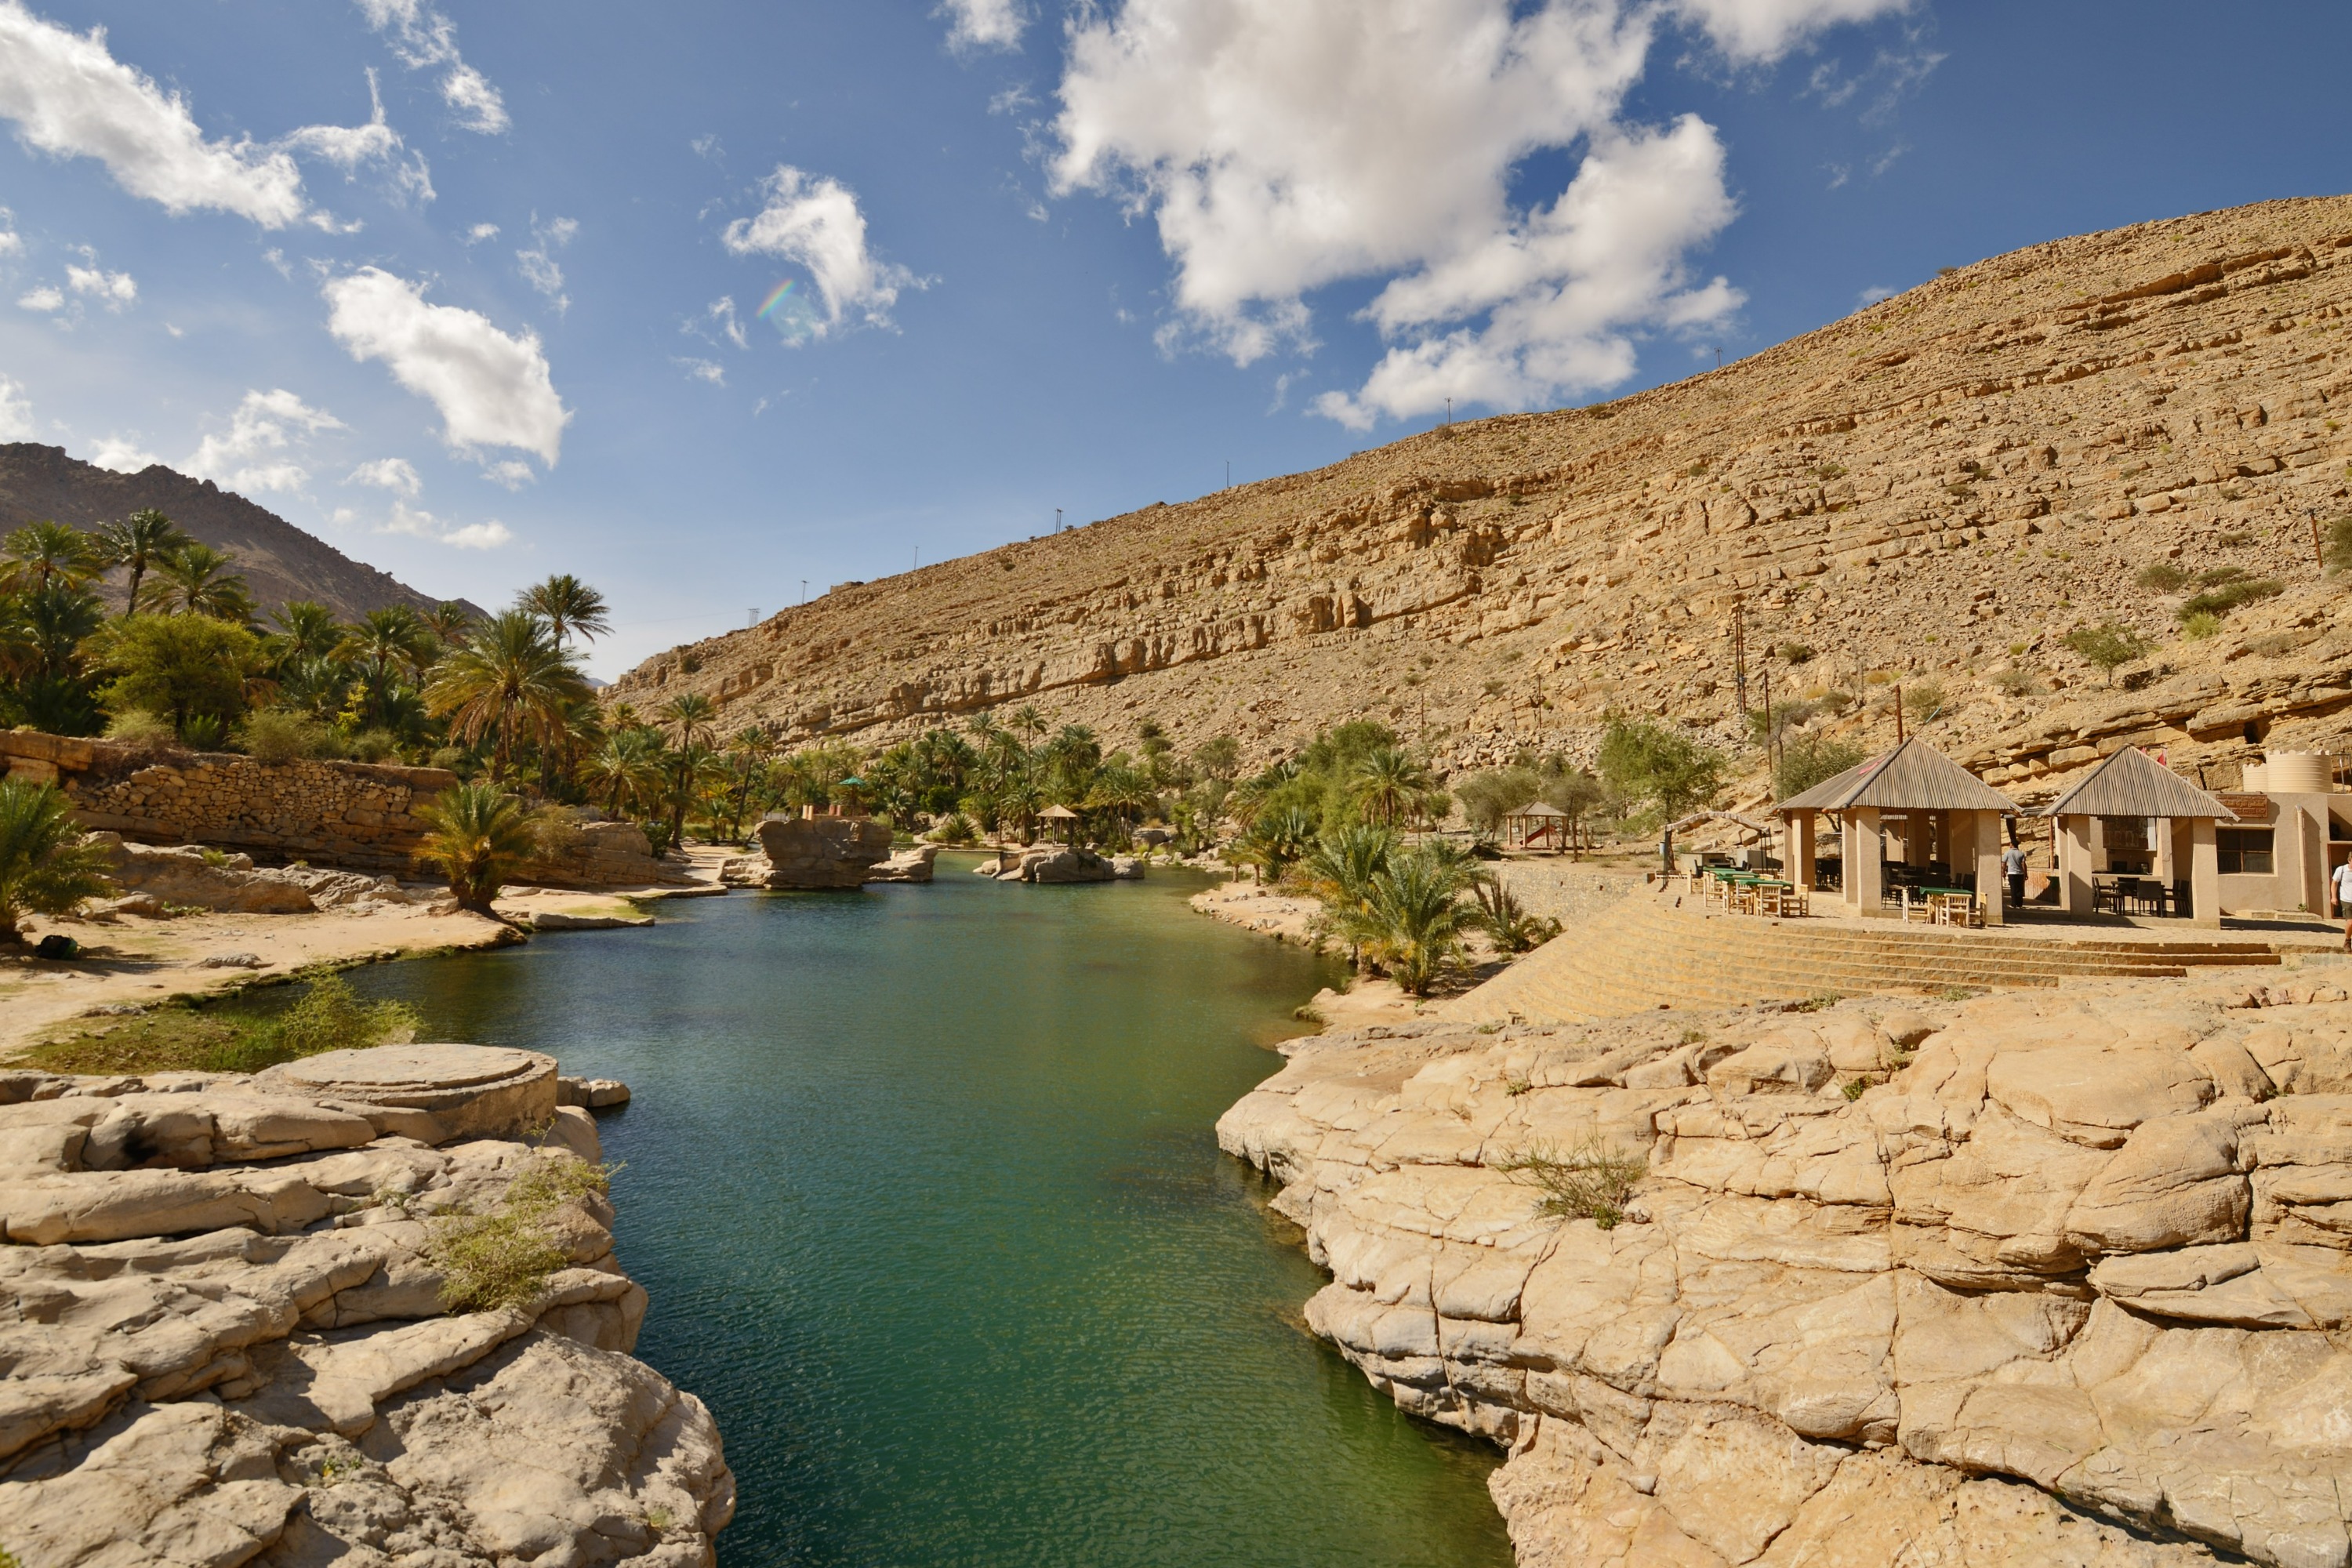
(1059, 824)
(2117, 804)
(1541, 820)
(1943, 819)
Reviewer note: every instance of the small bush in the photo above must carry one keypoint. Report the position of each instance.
(2227, 596)
(2200, 626)
(2016, 682)
(2164, 577)
(330, 1017)
(1503, 918)
(955, 827)
(137, 727)
(274, 735)
(2220, 575)
(204, 732)
(1808, 759)
(2234, 541)
(489, 1261)
(1923, 700)
(2107, 645)
(374, 746)
(1855, 1087)
(1592, 1180)
(1795, 652)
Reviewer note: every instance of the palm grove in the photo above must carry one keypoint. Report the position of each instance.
(501, 701)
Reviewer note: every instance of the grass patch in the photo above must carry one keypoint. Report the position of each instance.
(1592, 1180)
(244, 1034)
(504, 1259)
(2230, 594)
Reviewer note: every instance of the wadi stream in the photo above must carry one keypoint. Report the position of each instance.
(923, 1184)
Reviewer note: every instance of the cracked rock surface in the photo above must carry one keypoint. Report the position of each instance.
(232, 1338)
(2064, 1281)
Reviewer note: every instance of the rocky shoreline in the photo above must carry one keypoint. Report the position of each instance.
(2039, 1278)
(360, 1308)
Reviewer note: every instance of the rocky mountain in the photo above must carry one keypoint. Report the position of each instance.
(279, 560)
(1934, 490)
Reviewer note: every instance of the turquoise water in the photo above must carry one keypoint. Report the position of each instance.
(923, 1183)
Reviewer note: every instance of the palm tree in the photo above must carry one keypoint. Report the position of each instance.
(451, 623)
(625, 772)
(689, 769)
(196, 580)
(478, 839)
(1340, 871)
(1124, 792)
(39, 554)
(1388, 784)
(306, 630)
(1275, 839)
(1029, 721)
(690, 717)
(389, 640)
(569, 607)
(748, 751)
(1416, 918)
(138, 541)
(46, 866)
(511, 680)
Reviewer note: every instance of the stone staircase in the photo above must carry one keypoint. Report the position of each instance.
(1647, 953)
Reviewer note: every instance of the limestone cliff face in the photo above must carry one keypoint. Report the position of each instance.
(1971, 467)
(229, 1342)
(2068, 1284)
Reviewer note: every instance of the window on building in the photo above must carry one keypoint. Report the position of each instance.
(2245, 851)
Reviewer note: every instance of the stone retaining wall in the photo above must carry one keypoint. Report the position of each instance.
(362, 815)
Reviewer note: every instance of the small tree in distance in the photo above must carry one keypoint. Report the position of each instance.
(2107, 645)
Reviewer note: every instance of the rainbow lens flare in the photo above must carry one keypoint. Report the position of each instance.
(788, 308)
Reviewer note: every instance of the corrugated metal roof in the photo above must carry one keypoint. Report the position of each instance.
(2133, 783)
(1913, 776)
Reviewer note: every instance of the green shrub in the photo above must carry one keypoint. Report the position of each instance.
(2016, 682)
(1592, 1180)
(1502, 918)
(2229, 596)
(1641, 759)
(329, 1016)
(503, 1259)
(1808, 759)
(955, 827)
(374, 746)
(2107, 645)
(2162, 576)
(274, 735)
(2200, 626)
(138, 727)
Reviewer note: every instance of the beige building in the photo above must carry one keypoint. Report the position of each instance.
(2293, 827)
(1909, 819)
(2135, 838)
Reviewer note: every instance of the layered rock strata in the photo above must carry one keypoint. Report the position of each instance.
(1921, 488)
(811, 852)
(2046, 1279)
(232, 1339)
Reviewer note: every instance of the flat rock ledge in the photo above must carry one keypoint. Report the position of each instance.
(230, 1341)
(2055, 1278)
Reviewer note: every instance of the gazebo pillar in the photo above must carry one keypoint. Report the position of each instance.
(1800, 869)
(1866, 875)
(2204, 874)
(1992, 888)
(2074, 863)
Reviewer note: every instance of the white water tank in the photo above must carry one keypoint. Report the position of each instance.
(2254, 777)
(2297, 772)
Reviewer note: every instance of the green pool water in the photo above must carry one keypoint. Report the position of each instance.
(924, 1185)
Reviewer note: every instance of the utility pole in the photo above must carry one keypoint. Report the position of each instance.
(1771, 731)
(2318, 556)
(1229, 473)
(1449, 413)
(1739, 653)
(1898, 712)
(803, 590)
(1057, 520)
(1719, 358)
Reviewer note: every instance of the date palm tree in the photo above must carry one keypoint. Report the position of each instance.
(197, 580)
(138, 541)
(385, 642)
(39, 554)
(691, 719)
(478, 837)
(569, 607)
(512, 681)
(1389, 784)
(1416, 917)
(625, 772)
(304, 630)
(451, 622)
(46, 866)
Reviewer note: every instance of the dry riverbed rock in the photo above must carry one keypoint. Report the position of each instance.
(2040, 1278)
(242, 1332)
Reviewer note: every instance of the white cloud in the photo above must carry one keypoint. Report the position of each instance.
(264, 437)
(11, 242)
(115, 290)
(1285, 145)
(1759, 31)
(723, 316)
(537, 265)
(16, 411)
(68, 96)
(350, 146)
(983, 24)
(492, 389)
(421, 524)
(1872, 296)
(512, 473)
(707, 370)
(481, 232)
(422, 38)
(397, 475)
(814, 220)
(121, 454)
(44, 298)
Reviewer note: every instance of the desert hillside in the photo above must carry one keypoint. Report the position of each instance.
(279, 561)
(1934, 490)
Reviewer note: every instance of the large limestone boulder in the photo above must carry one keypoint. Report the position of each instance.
(235, 1339)
(913, 865)
(2069, 1286)
(1054, 863)
(197, 878)
(817, 852)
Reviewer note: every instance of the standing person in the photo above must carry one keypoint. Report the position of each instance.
(2012, 865)
(2343, 901)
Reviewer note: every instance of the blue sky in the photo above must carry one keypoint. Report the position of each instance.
(1041, 257)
